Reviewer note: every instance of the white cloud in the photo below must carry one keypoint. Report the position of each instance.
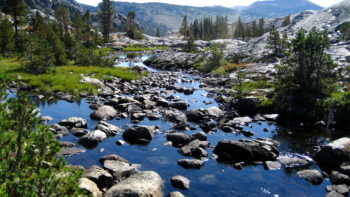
(227, 3)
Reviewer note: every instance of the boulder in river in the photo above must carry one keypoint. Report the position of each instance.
(92, 139)
(147, 183)
(104, 112)
(334, 153)
(119, 169)
(101, 177)
(247, 150)
(179, 139)
(89, 186)
(74, 122)
(180, 182)
(191, 163)
(113, 157)
(140, 134)
(110, 130)
(312, 176)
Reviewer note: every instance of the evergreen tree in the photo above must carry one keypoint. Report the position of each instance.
(18, 10)
(286, 21)
(131, 28)
(261, 27)
(307, 78)
(106, 14)
(28, 162)
(7, 42)
(158, 32)
(63, 19)
(190, 46)
(184, 29)
(274, 41)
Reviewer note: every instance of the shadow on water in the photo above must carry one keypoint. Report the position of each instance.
(214, 179)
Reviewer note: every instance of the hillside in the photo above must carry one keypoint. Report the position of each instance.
(169, 17)
(277, 8)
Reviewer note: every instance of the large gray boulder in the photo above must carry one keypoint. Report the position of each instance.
(335, 153)
(312, 176)
(92, 139)
(110, 130)
(140, 134)
(247, 150)
(104, 112)
(89, 186)
(74, 122)
(119, 169)
(143, 184)
(179, 139)
(101, 177)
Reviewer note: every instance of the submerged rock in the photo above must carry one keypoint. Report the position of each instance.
(147, 183)
(247, 150)
(113, 157)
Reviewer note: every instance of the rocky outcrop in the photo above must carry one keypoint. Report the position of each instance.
(102, 178)
(147, 183)
(173, 61)
(119, 169)
(247, 150)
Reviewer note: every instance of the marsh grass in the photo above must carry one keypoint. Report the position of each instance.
(63, 78)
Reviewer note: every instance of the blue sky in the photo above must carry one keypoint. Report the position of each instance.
(227, 3)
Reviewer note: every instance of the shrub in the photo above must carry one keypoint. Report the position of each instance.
(28, 162)
(215, 60)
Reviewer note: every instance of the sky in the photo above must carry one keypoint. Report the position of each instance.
(226, 3)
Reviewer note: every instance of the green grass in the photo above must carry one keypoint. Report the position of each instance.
(140, 47)
(104, 51)
(63, 78)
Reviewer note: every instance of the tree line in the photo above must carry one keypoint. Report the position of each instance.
(209, 28)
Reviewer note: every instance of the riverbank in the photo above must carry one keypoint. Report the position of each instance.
(64, 79)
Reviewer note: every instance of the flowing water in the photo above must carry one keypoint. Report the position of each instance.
(214, 179)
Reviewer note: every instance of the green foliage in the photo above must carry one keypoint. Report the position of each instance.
(64, 78)
(184, 29)
(17, 9)
(243, 87)
(7, 42)
(286, 21)
(215, 60)
(208, 29)
(131, 29)
(345, 31)
(278, 45)
(106, 14)
(90, 57)
(307, 78)
(28, 162)
(190, 45)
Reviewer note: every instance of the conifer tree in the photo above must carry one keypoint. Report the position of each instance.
(106, 14)
(274, 41)
(7, 42)
(17, 9)
(286, 21)
(63, 18)
(184, 29)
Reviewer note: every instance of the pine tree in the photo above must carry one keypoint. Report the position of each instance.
(7, 42)
(286, 21)
(158, 32)
(307, 78)
(274, 41)
(63, 19)
(17, 9)
(261, 27)
(184, 29)
(28, 162)
(106, 14)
